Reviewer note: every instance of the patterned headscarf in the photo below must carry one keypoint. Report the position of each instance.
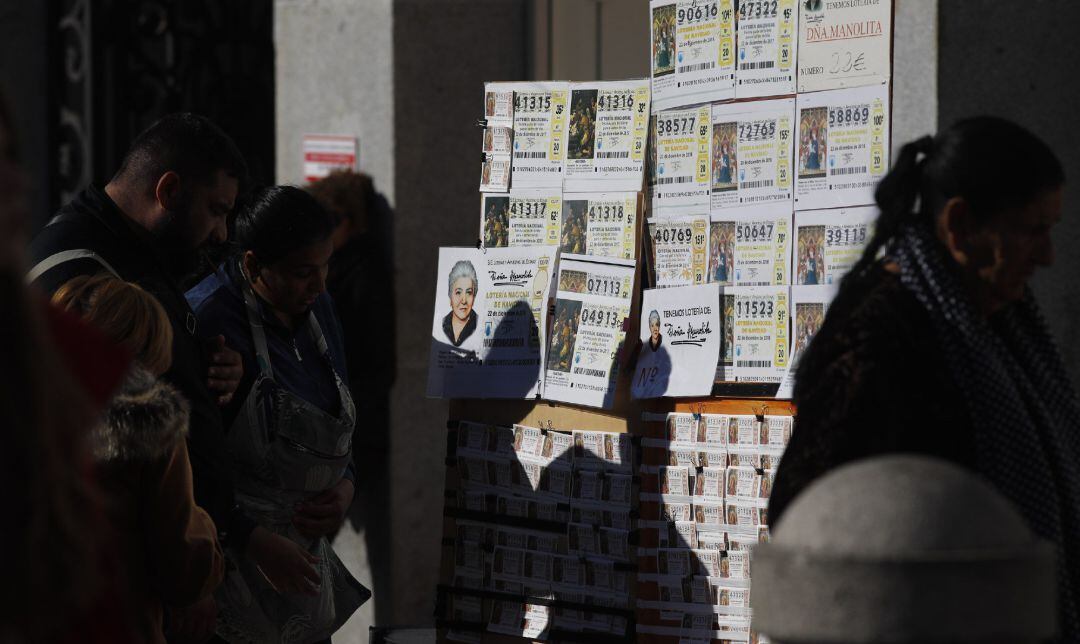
(1019, 397)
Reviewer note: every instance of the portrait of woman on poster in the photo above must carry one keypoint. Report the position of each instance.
(655, 339)
(460, 322)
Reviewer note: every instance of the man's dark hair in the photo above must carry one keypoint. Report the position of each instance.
(189, 145)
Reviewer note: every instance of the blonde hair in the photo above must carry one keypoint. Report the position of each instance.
(125, 313)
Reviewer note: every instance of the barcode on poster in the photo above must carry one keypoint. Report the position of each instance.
(858, 169)
(530, 155)
(763, 64)
(750, 185)
(753, 364)
(696, 68)
(613, 155)
(663, 181)
(596, 373)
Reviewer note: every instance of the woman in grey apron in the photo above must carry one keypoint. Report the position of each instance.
(290, 431)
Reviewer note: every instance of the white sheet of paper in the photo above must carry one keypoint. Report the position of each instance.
(596, 279)
(521, 218)
(540, 111)
(680, 334)
(600, 226)
(692, 51)
(683, 165)
(725, 363)
(844, 44)
(498, 137)
(606, 133)
(767, 41)
(760, 333)
(751, 157)
(587, 332)
(680, 247)
(829, 242)
(809, 306)
(762, 249)
(842, 149)
(488, 342)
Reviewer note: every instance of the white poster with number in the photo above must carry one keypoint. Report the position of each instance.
(829, 242)
(489, 322)
(762, 249)
(498, 137)
(680, 336)
(692, 51)
(844, 44)
(588, 329)
(600, 226)
(752, 146)
(680, 248)
(760, 338)
(683, 167)
(842, 147)
(809, 305)
(540, 111)
(606, 133)
(767, 40)
(521, 218)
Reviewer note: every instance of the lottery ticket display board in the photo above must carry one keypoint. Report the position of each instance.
(696, 227)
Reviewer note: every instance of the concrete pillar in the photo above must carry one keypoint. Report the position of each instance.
(444, 50)
(334, 75)
(915, 70)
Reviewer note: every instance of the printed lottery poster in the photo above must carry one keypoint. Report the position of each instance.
(842, 147)
(587, 332)
(495, 173)
(752, 157)
(829, 242)
(489, 321)
(680, 250)
(540, 111)
(498, 137)
(725, 365)
(767, 40)
(683, 167)
(762, 249)
(499, 104)
(760, 335)
(809, 305)
(606, 134)
(680, 335)
(600, 226)
(693, 51)
(844, 44)
(521, 218)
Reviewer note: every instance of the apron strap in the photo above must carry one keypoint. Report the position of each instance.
(258, 334)
(344, 393)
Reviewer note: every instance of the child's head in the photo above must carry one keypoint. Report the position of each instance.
(125, 313)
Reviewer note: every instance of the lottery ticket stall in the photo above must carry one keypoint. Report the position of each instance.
(619, 344)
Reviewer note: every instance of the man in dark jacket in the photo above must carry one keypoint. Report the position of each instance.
(170, 198)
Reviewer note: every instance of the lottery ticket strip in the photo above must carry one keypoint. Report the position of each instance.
(749, 160)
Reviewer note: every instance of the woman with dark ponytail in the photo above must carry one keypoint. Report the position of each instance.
(290, 424)
(935, 345)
